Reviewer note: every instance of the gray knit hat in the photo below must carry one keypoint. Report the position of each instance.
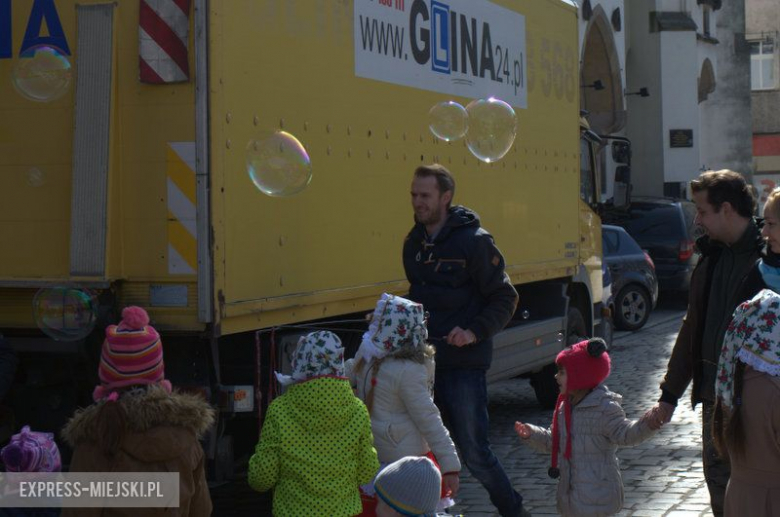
(410, 486)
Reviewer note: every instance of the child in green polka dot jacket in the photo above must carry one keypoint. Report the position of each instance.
(316, 446)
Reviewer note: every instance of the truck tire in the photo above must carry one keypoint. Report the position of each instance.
(575, 327)
(543, 382)
(545, 386)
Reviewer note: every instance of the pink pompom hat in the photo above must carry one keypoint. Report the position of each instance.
(132, 355)
(31, 451)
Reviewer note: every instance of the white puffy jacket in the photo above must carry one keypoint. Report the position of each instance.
(404, 419)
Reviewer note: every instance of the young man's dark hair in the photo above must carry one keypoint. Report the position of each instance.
(726, 186)
(444, 179)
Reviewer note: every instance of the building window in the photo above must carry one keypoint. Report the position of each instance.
(762, 64)
(706, 12)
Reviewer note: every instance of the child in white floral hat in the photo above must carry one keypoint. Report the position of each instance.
(316, 445)
(393, 372)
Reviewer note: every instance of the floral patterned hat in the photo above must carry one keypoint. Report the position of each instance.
(396, 323)
(318, 354)
(753, 337)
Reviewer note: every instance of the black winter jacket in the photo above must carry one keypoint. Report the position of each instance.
(8, 362)
(685, 365)
(460, 280)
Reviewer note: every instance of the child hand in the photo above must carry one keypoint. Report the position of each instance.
(522, 430)
(451, 482)
(653, 419)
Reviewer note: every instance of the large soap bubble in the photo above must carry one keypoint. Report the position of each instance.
(448, 121)
(492, 129)
(278, 164)
(43, 74)
(64, 313)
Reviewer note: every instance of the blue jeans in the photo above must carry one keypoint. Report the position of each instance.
(461, 396)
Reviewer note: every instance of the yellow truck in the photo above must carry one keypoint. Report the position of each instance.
(128, 138)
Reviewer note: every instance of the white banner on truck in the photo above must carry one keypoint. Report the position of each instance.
(466, 48)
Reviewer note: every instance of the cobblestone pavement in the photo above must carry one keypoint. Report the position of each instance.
(662, 477)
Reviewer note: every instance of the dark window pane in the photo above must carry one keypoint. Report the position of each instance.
(654, 220)
(586, 175)
(689, 211)
(610, 242)
(628, 246)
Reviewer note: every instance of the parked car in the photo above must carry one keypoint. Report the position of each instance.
(665, 228)
(634, 284)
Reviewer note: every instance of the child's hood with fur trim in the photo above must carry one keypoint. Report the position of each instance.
(154, 419)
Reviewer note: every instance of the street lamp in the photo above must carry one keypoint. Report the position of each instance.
(596, 85)
(642, 92)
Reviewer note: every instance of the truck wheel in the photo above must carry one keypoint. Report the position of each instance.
(545, 387)
(575, 327)
(632, 308)
(543, 382)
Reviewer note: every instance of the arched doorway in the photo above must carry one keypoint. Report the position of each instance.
(706, 80)
(602, 85)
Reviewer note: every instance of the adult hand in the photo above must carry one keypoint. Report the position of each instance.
(522, 430)
(665, 412)
(460, 337)
(451, 483)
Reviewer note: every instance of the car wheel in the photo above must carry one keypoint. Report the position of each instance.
(543, 382)
(632, 307)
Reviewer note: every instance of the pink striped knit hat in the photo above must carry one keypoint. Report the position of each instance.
(132, 355)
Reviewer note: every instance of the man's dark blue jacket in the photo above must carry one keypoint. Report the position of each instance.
(460, 280)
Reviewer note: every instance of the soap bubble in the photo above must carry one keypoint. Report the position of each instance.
(448, 121)
(64, 313)
(492, 129)
(278, 165)
(43, 74)
(35, 177)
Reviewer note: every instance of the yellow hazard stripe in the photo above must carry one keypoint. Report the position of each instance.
(181, 174)
(182, 227)
(183, 242)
